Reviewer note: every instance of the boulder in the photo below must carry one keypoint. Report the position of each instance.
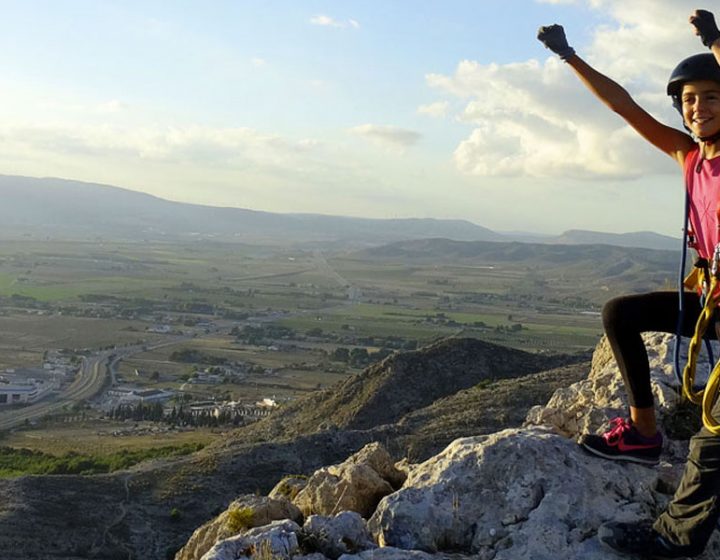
(346, 533)
(587, 406)
(277, 541)
(288, 487)
(357, 485)
(244, 513)
(524, 493)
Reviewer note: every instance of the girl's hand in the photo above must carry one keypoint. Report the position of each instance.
(553, 37)
(705, 27)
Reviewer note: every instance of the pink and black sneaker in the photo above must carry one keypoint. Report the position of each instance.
(624, 443)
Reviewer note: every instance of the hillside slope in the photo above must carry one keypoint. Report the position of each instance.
(67, 209)
(543, 271)
(410, 402)
(405, 382)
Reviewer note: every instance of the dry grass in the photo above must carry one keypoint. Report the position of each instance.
(24, 337)
(96, 438)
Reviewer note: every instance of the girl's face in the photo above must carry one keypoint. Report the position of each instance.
(701, 107)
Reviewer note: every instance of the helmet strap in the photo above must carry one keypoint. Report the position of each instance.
(711, 139)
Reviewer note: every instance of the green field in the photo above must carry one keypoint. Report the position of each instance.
(96, 436)
(290, 321)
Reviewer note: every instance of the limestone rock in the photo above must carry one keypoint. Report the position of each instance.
(334, 536)
(404, 466)
(277, 540)
(528, 493)
(244, 513)
(515, 494)
(357, 485)
(288, 487)
(587, 405)
(377, 458)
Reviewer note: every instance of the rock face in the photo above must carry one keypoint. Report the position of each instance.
(357, 485)
(275, 540)
(585, 406)
(524, 493)
(244, 513)
(346, 533)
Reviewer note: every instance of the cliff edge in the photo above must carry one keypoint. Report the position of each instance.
(520, 493)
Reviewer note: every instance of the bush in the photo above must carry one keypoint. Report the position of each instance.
(175, 514)
(18, 462)
(240, 519)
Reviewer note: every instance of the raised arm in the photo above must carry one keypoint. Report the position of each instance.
(667, 139)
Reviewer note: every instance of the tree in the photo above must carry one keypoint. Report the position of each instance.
(359, 357)
(340, 354)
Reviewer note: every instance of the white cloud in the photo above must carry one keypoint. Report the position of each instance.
(535, 118)
(229, 147)
(437, 109)
(389, 136)
(258, 62)
(328, 21)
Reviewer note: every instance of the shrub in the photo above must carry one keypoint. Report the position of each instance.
(240, 519)
(175, 514)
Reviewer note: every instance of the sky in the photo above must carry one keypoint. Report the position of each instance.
(369, 108)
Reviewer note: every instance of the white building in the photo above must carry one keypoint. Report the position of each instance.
(133, 395)
(23, 393)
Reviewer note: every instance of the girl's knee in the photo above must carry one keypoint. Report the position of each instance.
(613, 312)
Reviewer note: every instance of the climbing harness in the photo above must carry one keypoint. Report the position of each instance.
(693, 281)
(705, 397)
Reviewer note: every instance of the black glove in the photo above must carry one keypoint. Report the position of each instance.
(553, 37)
(705, 26)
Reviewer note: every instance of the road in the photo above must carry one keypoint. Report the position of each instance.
(88, 382)
(323, 266)
(96, 369)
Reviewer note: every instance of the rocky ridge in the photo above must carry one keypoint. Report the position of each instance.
(457, 387)
(521, 493)
(405, 383)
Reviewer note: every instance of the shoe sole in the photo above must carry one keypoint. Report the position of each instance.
(625, 458)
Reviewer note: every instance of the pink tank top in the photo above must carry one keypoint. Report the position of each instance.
(703, 186)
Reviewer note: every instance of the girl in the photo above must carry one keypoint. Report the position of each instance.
(694, 86)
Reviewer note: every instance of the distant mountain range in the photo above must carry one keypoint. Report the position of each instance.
(58, 208)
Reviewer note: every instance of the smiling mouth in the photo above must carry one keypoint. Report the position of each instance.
(703, 123)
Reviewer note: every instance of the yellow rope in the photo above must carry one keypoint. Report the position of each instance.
(709, 395)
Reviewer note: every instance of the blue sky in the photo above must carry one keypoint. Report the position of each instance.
(366, 108)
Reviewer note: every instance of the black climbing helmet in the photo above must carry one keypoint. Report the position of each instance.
(697, 67)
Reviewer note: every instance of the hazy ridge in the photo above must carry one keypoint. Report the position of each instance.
(59, 208)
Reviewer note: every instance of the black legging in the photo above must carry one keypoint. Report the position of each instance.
(626, 317)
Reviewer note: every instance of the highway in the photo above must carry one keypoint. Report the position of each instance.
(87, 383)
(98, 369)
